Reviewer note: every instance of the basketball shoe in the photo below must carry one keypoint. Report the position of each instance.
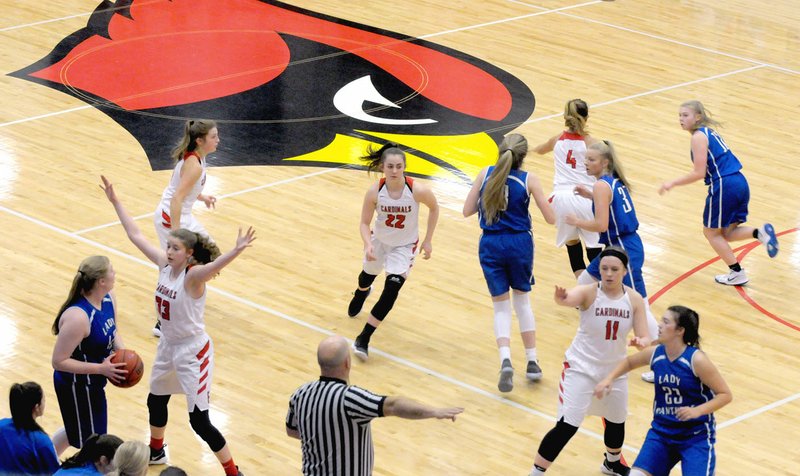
(766, 235)
(615, 468)
(157, 329)
(357, 302)
(734, 278)
(506, 383)
(159, 456)
(361, 350)
(533, 372)
(649, 376)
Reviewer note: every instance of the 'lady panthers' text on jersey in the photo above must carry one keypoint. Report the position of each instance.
(97, 345)
(720, 161)
(677, 385)
(396, 220)
(600, 343)
(174, 182)
(180, 314)
(569, 159)
(621, 214)
(515, 217)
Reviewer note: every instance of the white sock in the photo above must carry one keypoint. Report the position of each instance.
(531, 354)
(505, 353)
(611, 457)
(536, 472)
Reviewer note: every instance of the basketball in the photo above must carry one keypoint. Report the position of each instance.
(133, 364)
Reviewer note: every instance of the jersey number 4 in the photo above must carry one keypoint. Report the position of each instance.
(570, 160)
(162, 308)
(395, 221)
(611, 330)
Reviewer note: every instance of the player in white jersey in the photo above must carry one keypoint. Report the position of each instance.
(569, 160)
(391, 242)
(184, 362)
(186, 183)
(608, 311)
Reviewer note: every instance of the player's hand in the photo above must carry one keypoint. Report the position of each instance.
(687, 413)
(665, 187)
(639, 342)
(369, 253)
(570, 219)
(113, 371)
(244, 241)
(448, 413)
(108, 188)
(583, 191)
(602, 389)
(560, 294)
(427, 249)
(209, 200)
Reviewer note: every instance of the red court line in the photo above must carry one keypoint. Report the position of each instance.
(745, 249)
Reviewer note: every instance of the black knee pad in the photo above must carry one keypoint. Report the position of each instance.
(556, 439)
(593, 253)
(201, 425)
(157, 407)
(614, 435)
(575, 253)
(389, 295)
(365, 280)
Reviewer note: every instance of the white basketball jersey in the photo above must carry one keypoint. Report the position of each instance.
(181, 315)
(175, 180)
(601, 341)
(569, 157)
(396, 220)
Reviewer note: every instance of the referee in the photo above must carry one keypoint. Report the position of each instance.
(331, 418)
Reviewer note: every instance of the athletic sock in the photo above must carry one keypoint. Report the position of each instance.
(366, 334)
(505, 353)
(735, 267)
(612, 457)
(531, 354)
(230, 468)
(156, 443)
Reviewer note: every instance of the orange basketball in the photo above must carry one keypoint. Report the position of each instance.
(133, 364)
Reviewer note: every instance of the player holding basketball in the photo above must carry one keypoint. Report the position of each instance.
(185, 356)
(569, 159)
(608, 311)
(728, 192)
(501, 195)
(689, 389)
(86, 337)
(185, 187)
(392, 243)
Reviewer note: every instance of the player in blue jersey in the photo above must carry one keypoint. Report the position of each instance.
(25, 448)
(688, 390)
(87, 337)
(501, 195)
(615, 220)
(728, 192)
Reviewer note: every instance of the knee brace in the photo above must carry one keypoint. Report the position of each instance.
(365, 280)
(592, 253)
(614, 435)
(502, 319)
(556, 439)
(201, 425)
(389, 295)
(575, 253)
(522, 306)
(157, 408)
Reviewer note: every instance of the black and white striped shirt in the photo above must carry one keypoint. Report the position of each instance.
(333, 421)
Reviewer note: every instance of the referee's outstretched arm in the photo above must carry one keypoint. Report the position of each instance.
(406, 408)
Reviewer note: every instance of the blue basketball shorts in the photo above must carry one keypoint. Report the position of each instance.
(727, 201)
(507, 261)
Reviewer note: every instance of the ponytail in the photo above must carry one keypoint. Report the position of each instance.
(494, 200)
(89, 272)
(374, 158)
(22, 398)
(192, 130)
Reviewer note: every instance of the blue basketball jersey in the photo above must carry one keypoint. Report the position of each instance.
(720, 159)
(97, 345)
(676, 385)
(515, 217)
(621, 214)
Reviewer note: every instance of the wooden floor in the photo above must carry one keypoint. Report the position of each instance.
(633, 61)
